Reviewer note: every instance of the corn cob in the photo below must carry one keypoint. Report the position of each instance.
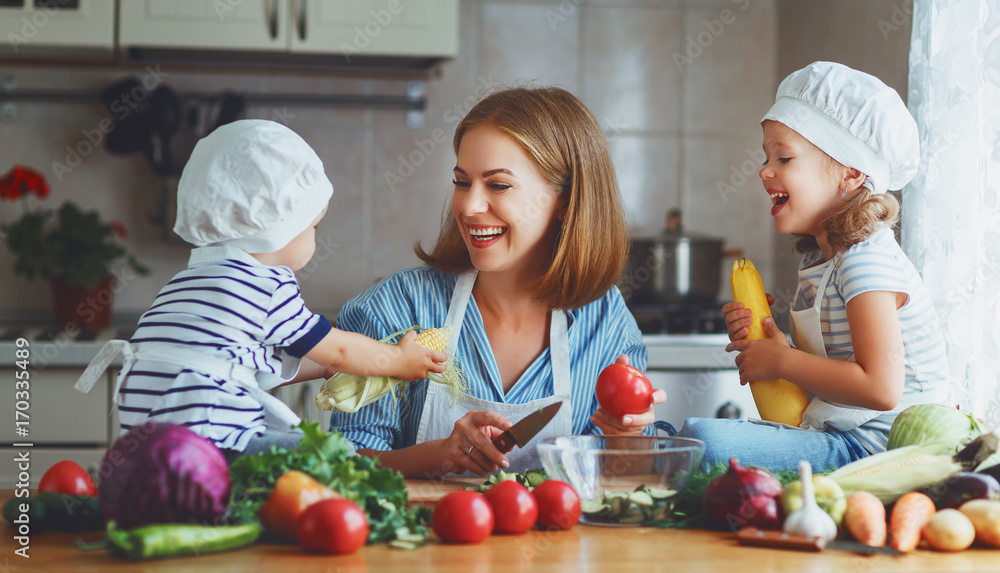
(349, 393)
(777, 400)
(892, 473)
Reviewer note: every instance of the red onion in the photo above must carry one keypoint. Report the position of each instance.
(725, 494)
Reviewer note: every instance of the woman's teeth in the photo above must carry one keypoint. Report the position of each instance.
(486, 233)
(778, 198)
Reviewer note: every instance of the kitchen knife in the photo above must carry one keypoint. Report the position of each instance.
(779, 539)
(521, 432)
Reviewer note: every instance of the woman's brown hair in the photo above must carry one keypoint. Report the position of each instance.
(567, 147)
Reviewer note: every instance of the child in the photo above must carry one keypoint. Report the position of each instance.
(234, 324)
(867, 343)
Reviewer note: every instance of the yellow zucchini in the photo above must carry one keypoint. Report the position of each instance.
(777, 400)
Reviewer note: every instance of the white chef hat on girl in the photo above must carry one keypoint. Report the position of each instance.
(854, 118)
(252, 184)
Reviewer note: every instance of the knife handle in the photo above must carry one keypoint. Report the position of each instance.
(505, 442)
(754, 536)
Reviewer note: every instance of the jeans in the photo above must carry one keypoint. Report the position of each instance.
(771, 447)
(262, 442)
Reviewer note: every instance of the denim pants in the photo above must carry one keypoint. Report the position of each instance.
(771, 447)
(262, 442)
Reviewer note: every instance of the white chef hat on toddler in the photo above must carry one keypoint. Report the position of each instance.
(252, 184)
(854, 118)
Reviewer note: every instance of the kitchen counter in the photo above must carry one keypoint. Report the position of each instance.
(582, 548)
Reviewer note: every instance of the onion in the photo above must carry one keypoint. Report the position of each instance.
(724, 495)
(163, 473)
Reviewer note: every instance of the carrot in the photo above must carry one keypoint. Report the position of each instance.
(865, 518)
(910, 514)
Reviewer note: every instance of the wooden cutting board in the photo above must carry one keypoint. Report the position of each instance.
(428, 492)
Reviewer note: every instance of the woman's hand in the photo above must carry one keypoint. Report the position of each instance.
(630, 424)
(738, 319)
(759, 359)
(470, 445)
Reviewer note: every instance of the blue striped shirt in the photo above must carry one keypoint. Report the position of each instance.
(598, 333)
(229, 306)
(879, 264)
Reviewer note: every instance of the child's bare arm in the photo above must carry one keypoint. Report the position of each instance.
(874, 379)
(353, 353)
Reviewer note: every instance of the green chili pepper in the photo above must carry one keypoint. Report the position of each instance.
(176, 539)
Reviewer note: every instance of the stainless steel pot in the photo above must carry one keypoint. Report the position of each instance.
(674, 267)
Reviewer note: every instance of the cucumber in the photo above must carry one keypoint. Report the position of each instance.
(36, 514)
(70, 513)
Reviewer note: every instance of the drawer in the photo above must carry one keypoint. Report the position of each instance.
(57, 413)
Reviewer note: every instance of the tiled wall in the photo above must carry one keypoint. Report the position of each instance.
(679, 87)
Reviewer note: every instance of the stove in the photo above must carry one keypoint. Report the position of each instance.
(680, 318)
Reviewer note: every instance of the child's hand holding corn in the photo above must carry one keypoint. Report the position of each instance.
(415, 360)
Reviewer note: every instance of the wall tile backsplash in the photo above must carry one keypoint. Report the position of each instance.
(679, 88)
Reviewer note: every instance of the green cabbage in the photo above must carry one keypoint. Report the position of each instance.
(929, 423)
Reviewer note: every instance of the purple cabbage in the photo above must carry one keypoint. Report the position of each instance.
(163, 473)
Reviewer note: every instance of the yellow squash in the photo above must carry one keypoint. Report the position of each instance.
(777, 400)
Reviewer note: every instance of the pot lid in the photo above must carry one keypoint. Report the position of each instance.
(674, 231)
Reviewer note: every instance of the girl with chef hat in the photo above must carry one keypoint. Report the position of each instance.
(525, 269)
(233, 324)
(866, 341)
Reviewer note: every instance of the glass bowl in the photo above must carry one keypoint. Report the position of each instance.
(601, 467)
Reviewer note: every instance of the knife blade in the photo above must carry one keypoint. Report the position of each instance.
(779, 539)
(520, 433)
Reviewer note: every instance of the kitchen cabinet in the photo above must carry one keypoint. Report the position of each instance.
(30, 24)
(61, 422)
(349, 27)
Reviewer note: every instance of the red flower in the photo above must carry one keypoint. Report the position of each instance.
(118, 228)
(20, 181)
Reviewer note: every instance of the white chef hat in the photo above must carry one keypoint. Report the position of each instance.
(854, 118)
(252, 184)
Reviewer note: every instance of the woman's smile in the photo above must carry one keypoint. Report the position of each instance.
(483, 236)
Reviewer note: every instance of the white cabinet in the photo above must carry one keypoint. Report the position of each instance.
(349, 27)
(62, 423)
(30, 24)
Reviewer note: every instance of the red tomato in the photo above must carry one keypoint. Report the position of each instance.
(623, 389)
(67, 477)
(463, 517)
(333, 526)
(514, 508)
(558, 505)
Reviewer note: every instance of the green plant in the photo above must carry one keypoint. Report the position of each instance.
(67, 243)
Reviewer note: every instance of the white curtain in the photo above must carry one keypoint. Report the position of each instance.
(951, 210)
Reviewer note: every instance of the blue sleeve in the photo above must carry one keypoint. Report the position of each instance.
(376, 426)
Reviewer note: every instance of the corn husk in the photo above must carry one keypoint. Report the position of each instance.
(350, 392)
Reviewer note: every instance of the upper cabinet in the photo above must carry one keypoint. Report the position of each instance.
(360, 28)
(27, 25)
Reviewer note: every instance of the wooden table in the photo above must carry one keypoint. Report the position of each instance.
(583, 548)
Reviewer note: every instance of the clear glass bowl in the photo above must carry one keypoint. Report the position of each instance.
(595, 465)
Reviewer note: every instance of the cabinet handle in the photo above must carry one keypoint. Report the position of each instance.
(272, 19)
(301, 9)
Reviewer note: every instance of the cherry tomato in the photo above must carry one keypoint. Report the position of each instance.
(558, 505)
(333, 526)
(67, 477)
(623, 389)
(463, 517)
(514, 508)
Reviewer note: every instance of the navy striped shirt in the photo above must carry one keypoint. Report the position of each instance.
(598, 333)
(229, 306)
(879, 264)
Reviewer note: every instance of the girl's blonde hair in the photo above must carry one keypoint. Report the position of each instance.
(855, 220)
(566, 145)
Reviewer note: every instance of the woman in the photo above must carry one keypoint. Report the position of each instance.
(525, 271)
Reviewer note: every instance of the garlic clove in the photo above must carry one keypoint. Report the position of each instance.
(810, 520)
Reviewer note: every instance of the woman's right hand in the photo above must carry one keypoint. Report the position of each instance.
(738, 319)
(470, 445)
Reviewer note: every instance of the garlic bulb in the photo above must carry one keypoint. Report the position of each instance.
(810, 520)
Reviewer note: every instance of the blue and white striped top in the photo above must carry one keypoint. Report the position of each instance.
(598, 333)
(229, 306)
(879, 264)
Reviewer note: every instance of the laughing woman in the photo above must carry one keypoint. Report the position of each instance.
(525, 271)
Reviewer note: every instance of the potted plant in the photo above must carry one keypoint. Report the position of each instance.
(72, 248)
